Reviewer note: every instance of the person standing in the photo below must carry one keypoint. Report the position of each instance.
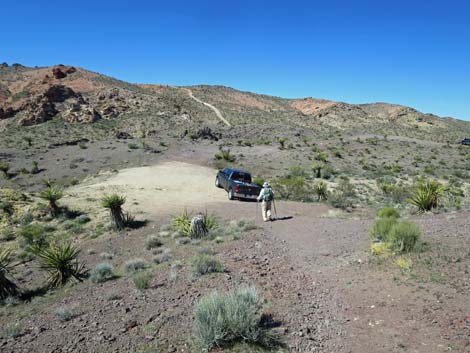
(266, 196)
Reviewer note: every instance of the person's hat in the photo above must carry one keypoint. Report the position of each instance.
(266, 185)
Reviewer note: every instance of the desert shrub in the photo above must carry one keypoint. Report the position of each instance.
(114, 204)
(165, 257)
(106, 256)
(60, 262)
(65, 314)
(7, 285)
(258, 180)
(388, 212)
(225, 155)
(292, 188)
(34, 168)
(152, 241)
(183, 241)
(142, 280)
(381, 228)
(343, 196)
(222, 319)
(4, 168)
(7, 208)
(82, 219)
(427, 195)
(296, 172)
(204, 264)
(321, 156)
(321, 190)
(35, 235)
(102, 273)
(282, 142)
(52, 195)
(404, 236)
(135, 265)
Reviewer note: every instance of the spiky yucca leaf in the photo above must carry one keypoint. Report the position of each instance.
(182, 223)
(59, 260)
(114, 203)
(7, 286)
(52, 194)
(427, 195)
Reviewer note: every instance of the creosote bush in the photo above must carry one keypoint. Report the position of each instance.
(382, 228)
(222, 319)
(388, 212)
(142, 280)
(101, 273)
(404, 236)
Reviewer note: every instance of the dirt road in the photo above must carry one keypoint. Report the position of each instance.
(216, 111)
(363, 306)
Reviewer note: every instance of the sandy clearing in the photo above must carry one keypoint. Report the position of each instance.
(154, 190)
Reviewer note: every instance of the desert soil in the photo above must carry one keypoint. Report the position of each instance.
(324, 291)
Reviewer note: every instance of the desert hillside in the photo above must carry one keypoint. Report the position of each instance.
(115, 238)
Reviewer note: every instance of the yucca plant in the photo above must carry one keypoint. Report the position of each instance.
(321, 190)
(52, 194)
(182, 223)
(427, 195)
(7, 287)
(59, 260)
(114, 203)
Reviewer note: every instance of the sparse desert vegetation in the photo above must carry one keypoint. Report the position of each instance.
(114, 223)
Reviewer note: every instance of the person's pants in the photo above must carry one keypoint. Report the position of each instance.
(266, 210)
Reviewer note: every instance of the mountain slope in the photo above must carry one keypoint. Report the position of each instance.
(67, 95)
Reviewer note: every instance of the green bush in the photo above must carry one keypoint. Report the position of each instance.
(292, 188)
(204, 264)
(222, 319)
(102, 273)
(35, 235)
(225, 155)
(142, 280)
(4, 168)
(258, 180)
(388, 212)
(382, 228)
(404, 236)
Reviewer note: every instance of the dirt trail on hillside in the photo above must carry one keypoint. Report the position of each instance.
(216, 111)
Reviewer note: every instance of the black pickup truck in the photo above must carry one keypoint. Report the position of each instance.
(237, 183)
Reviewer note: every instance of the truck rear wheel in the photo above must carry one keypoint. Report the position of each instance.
(231, 195)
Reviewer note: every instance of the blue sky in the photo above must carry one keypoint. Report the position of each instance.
(414, 53)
